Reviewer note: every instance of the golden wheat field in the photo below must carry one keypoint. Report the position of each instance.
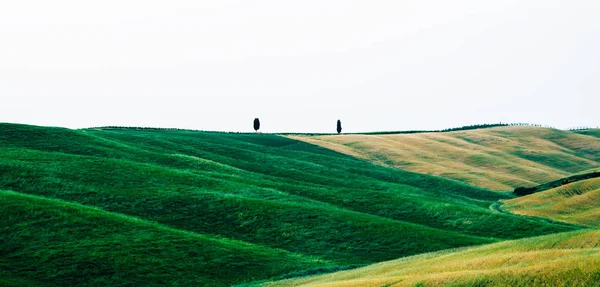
(577, 202)
(500, 158)
(566, 259)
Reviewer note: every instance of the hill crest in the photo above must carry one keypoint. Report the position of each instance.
(497, 158)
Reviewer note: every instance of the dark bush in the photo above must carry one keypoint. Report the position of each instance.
(521, 191)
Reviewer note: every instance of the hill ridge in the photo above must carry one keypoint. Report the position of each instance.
(497, 158)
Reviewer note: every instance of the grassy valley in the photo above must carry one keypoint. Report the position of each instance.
(155, 207)
(498, 158)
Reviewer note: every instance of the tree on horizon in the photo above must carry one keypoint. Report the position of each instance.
(256, 124)
(339, 126)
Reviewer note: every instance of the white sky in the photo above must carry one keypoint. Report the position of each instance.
(300, 65)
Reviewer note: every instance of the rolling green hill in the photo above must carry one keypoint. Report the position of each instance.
(254, 205)
(49, 242)
(567, 259)
(499, 158)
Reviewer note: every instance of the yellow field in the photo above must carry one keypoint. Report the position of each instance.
(500, 158)
(566, 259)
(577, 202)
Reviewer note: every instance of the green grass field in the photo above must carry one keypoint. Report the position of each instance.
(125, 207)
(50, 242)
(499, 158)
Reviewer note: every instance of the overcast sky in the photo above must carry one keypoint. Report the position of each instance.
(300, 65)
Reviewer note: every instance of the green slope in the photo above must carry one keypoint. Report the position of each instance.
(589, 132)
(202, 204)
(56, 243)
(265, 190)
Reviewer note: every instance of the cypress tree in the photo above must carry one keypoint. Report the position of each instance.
(256, 124)
(339, 126)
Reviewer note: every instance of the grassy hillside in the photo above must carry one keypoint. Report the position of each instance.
(589, 132)
(567, 259)
(577, 202)
(264, 192)
(499, 158)
(49, 242)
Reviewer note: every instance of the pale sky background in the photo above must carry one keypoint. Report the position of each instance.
(300, 65)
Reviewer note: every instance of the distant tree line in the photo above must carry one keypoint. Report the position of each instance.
(139, 128)
(156, 129)
(470, 127)
(463, 128)
(582, 128)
